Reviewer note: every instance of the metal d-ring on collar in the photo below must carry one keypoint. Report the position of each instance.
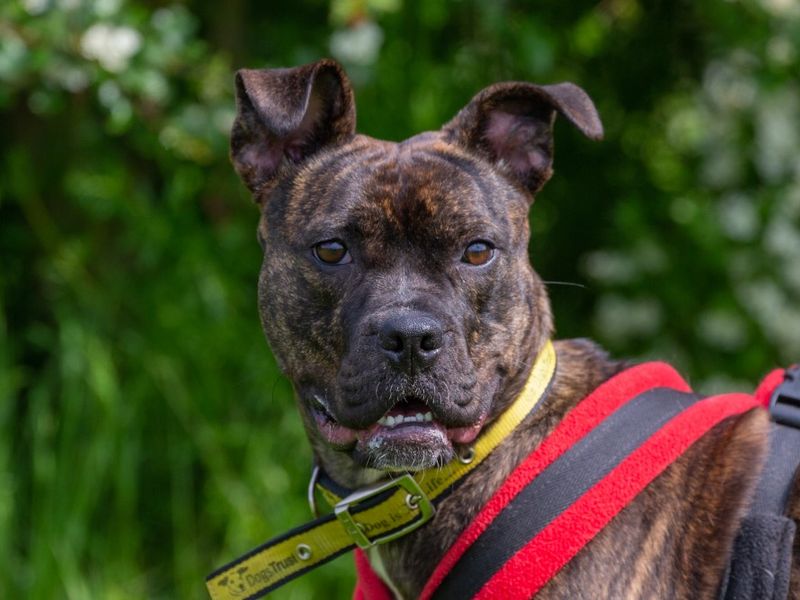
(311, 494)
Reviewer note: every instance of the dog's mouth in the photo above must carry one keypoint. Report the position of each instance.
(408, 424)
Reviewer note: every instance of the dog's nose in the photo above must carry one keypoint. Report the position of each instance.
(411, 341)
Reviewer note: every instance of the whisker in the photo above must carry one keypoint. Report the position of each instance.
(567, 283)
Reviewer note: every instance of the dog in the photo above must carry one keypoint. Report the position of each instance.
(396, 287)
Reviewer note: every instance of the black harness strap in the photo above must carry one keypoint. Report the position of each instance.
(560, 485)
(772, 492)
(762, 553)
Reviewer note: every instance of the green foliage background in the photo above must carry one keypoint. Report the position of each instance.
(146, 435)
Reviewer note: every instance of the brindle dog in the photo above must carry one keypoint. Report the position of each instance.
(396, 280)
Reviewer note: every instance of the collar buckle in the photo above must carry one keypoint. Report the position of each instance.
(415, 500)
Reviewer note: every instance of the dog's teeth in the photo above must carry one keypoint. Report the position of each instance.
(394, 421)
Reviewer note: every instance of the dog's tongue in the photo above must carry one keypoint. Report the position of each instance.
(464, 435)
(336, 434)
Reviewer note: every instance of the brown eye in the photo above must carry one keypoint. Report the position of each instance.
(332, 252)
(478, 253)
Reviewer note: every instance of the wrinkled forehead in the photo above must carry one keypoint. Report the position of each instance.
(422, 190)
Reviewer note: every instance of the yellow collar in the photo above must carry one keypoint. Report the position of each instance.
(372, 515)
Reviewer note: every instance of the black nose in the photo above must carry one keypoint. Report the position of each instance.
(411, 340)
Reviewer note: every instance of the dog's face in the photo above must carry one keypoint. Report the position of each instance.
(395, 290)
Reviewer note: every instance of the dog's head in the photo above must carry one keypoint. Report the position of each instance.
(396, 290)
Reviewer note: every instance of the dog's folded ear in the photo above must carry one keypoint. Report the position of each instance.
(284, 116)
(511, 125)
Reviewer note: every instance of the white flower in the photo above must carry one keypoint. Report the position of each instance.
(777, 138)
(728, 84)
(610, 267)
(782, 8)
(106, 8)
(722, 329)
(357, 45)
(619, 319)
(781, 50)
(771, 307)
(36, 7)
(738, 217)
(111, 46)
(782, 239)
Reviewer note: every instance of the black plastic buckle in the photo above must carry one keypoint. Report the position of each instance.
(784, 405)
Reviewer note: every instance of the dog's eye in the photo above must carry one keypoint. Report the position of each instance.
(332, 252)
(478, 253)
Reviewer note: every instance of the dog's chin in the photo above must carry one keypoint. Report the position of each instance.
(407, 438)
(412, 447)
